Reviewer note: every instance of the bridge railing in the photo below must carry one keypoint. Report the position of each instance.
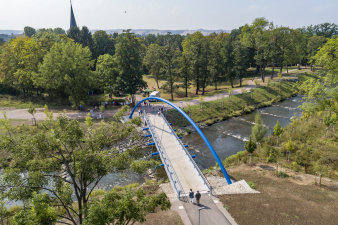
(175, 182)
(206, 182)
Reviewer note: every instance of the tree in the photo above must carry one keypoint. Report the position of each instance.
(256, 36)
(40, 211)
(153, 60)
(314, 43)
(103, 44)
(184, 71)
(303, 157)
(128, 58)
(241, 62)
(63, 158)
(19, 62)
(29, 31)
(250, 146)
(277, 130)
(106, 74)
(31, 110)
(290, 147)
(258, 131)
(65, 72)
(170, 62)
(194, 49)
(125, 206)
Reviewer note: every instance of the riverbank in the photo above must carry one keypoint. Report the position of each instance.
(208, 113)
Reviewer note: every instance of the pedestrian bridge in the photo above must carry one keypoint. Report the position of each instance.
(179, 165)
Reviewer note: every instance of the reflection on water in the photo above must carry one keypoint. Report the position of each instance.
(228, 137)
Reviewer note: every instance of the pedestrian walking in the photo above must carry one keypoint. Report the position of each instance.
(139, 112)
(198, 197)
(191, 196)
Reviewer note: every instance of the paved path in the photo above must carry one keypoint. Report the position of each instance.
(40, 115)
(185, 170)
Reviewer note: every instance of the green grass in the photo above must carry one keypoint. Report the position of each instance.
(214, 111)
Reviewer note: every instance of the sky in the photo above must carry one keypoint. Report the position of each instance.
(164, 14)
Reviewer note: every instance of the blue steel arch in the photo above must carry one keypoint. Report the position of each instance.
(196, 128)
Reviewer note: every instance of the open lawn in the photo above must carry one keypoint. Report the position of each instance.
(179, 93)
(282, 201)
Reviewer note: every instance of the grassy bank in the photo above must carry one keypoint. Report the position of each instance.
(222, 109)
(306, 145)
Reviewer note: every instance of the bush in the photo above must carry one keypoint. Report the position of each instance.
(283, 175)
(236, 158)
(251, 184)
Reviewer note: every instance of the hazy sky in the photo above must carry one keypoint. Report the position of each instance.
(164, 14)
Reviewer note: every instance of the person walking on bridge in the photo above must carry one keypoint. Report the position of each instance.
(198, 197)
(191, 196)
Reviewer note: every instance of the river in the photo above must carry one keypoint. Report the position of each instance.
(228, 137)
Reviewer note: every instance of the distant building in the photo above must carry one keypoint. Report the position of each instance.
(72, 17)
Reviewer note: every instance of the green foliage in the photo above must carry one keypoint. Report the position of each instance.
(140, 166)
(29, 31)
(250, 145)
(283, 175)
(66, 71)
(128, 58)
(39, 212)
(236, 158)
(251, 184)
(124, 206)
(258, 131)
(52, 151)
(103, 44)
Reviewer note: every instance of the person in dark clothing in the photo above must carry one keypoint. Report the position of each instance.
(191, 196)
(198, 197)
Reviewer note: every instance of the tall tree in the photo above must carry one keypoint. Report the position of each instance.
(29, 31)
(153, 60)
(258, 131)
(193, 48)
(106, 74)
(170, 62)
(315, 42)
(128, 57)
(103, 44)
(65, 72)
(256, 36)
(63, 158)
(19, 63)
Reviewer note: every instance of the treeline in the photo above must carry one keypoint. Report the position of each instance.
(309, 143)
(69, 65)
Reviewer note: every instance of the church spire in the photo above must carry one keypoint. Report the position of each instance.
(72, 17)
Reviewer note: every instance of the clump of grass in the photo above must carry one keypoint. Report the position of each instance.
(251, 184)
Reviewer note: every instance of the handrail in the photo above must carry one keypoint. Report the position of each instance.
(206, 182)
(167, 164)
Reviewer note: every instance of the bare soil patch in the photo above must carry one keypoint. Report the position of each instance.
(292, 200)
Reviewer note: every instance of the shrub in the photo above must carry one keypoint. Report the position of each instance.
(283, 175)
(251, 184)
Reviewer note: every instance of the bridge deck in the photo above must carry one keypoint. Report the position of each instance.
(184, 168)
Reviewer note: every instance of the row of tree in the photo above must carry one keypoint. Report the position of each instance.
(69, 65)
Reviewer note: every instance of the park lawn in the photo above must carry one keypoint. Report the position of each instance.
(9, 101)
(292, 200)
(179, 93)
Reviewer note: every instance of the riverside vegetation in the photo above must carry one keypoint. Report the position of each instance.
(54, 167)
(309, 143)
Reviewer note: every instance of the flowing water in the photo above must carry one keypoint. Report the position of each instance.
(228, 137)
